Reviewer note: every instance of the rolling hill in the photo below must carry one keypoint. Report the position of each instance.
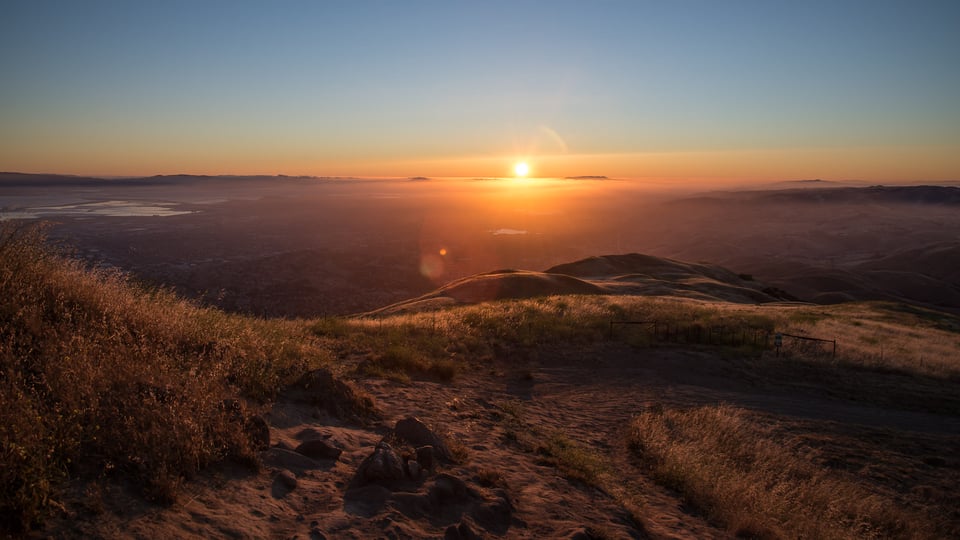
(633, 274)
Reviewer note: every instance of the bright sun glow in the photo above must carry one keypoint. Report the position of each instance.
(521, 169)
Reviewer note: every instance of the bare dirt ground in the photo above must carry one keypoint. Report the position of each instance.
(501, 485)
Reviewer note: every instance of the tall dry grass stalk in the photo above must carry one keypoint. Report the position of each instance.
(100, 377)
(755, 481)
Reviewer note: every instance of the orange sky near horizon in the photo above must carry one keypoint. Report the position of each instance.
(750, 91)
(872, 164)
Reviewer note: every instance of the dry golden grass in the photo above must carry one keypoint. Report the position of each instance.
(758, 482)
(99, 377)
(400, 362)
(870, 336)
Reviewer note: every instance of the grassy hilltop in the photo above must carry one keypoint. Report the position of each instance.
(103, 381)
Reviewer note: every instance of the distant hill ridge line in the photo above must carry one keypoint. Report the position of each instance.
(920, 194)
(15, 179)
(632, 274)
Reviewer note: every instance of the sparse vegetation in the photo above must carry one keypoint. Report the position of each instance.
(400, 362)
(574, 460)
(570, 457)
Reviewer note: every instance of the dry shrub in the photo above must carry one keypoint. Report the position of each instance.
(100, 377)
(758, 484)
(401, 362)
(490, 478)
(573, 459)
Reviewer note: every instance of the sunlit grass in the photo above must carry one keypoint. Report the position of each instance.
(101, 377)
(757, 482)
(870, 336)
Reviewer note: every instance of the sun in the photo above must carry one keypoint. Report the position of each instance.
(521, 169)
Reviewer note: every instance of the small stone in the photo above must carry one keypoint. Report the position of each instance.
(287, 479)
(425, 457)
(413, 468)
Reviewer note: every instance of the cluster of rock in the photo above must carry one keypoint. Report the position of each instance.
(385, 465)
(404, 471)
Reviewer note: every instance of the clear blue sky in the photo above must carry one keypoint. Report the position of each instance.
(457, 88)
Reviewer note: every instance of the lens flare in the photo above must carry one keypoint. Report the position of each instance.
(521, 169)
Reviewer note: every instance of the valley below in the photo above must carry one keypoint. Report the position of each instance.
(341, 246)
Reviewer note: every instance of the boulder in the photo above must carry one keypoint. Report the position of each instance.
(382, 466)
(287, 479)
(415, 432)
(285, 459)
(319, 449)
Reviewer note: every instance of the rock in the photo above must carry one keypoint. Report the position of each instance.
(425, 457)
(413, 469)
(496, 515)
(382, 466)
(417, 433)
(319, 387)
(287, 479)
(259, 432)
(319, 449)
(285, 459)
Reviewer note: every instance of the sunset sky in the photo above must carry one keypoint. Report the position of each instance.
(866, 90)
